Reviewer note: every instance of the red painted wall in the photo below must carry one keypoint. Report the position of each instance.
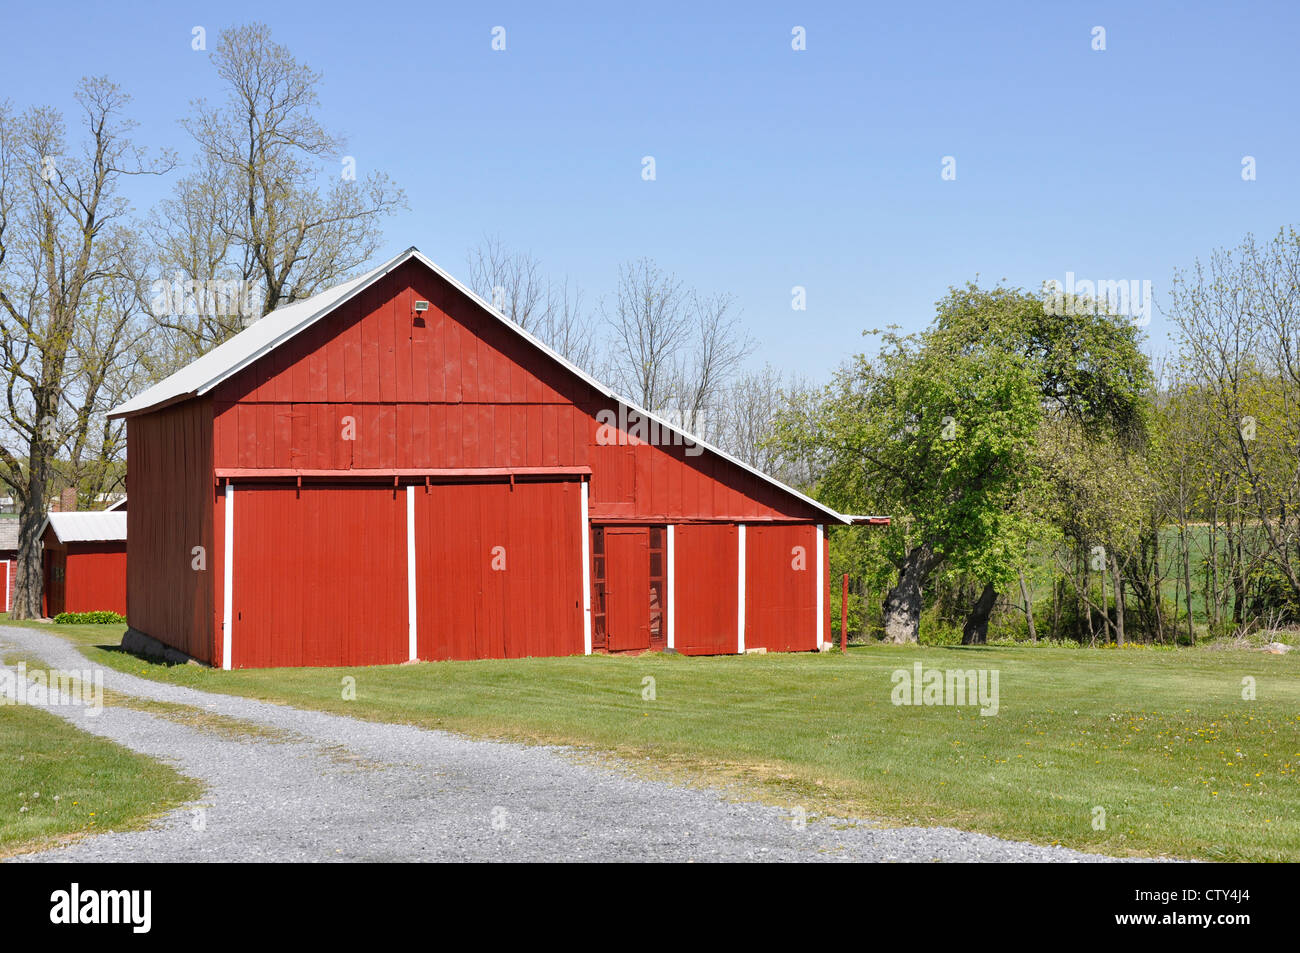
(706, 573)
(320, 576)
(169, 478)
(498, 570)
(453, 388)
(321, 573)
(781, 597)
(10, 570)
(94, 577)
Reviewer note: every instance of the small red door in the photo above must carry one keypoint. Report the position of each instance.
(627, 588)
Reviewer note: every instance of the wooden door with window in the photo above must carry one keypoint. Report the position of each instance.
(628, 588)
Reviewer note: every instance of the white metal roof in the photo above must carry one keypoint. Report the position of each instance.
(263, 336)
(93, 526)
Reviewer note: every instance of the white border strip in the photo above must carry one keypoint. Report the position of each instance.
(821, 587)
(740, 593)
(586, 575)
(228, 597)
(672, 588)
(412, 649)
(6, 565)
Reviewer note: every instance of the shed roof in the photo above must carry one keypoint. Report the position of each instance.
(97, 526)
(263, 336)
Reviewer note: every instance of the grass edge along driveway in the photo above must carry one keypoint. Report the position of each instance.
(1141, 752)
(74, 783)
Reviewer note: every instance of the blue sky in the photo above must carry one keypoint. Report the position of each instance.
(775, 168)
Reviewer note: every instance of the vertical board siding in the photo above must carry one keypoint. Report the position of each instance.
(169, 478)
(453, 388)
(319, 577)
(10, 570)
(94, 578)
(705, 588)
(467, 607)
(780, 599)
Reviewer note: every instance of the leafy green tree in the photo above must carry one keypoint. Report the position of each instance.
(945, 431)
(944, 439)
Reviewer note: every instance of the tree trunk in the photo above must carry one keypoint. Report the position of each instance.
(1117, 578)
(1187, 582)
(1105, 607)
(976, 629)
(29, 582)
(901, 613)
(1029, 607)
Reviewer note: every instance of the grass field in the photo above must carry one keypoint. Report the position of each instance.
(71, 782)
(1161, 740)
(74, 783)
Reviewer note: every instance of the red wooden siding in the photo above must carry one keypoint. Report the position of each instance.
(705, 581)
(9, 568)
(169, 465)
(829, 605)
(627, 605)
(780, 599)
(374, 392)
(498, 570)
(85, 577)
(454, 388)
(320, 576)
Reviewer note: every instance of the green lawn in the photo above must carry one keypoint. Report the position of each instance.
(1160, 739)
(72, 782)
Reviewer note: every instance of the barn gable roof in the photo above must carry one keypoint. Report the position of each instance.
(97, 526)
(265, 335)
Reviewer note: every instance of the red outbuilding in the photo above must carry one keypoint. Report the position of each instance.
(84, 556)
(392, 470)
(8, 559)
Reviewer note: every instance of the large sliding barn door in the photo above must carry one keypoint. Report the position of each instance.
(319, 576)
(498, 570)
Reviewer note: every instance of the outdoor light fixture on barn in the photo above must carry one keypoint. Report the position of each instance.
(341, 485)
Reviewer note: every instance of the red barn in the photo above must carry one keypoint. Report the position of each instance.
(392, 470)
(84, 556)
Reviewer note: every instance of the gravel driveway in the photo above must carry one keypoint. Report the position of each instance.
(326, 787)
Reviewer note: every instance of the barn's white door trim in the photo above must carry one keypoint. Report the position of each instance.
(5, 563)
(228, 596)
(821, 588)
(585, 530)
(672, 588)
(412, 648)
(740, 592)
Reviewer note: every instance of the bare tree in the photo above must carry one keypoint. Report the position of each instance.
(649, 323)
(511, 281)
(59, 213)
(748, 421)
(552, 311)
(716, 350)
(568, 328)
(113, 350)
(273, 207)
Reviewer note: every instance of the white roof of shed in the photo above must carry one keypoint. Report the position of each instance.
(268, 333)
(96, 526)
